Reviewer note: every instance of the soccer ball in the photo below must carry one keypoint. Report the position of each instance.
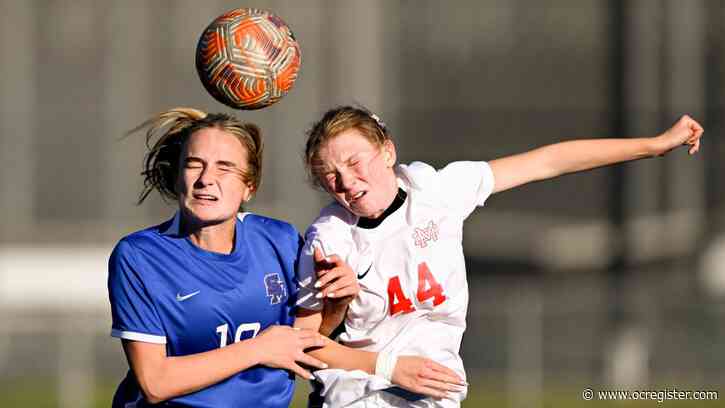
(248, 58)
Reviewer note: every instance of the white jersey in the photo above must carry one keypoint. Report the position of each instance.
(411, 270)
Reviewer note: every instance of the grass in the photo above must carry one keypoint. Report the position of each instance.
(43, 393)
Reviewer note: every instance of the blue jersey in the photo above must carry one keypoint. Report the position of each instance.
(163, 289)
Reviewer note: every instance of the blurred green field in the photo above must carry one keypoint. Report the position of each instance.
(44, 394)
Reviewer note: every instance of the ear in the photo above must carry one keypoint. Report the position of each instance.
(251, 189)
(389, 153)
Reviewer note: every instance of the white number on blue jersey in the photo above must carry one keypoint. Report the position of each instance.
(223, 330)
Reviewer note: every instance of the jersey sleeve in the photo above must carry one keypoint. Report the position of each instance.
(466, 185)
(132, 309)
(332, 234)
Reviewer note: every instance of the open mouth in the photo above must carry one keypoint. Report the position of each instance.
(205, 197)
(356, 197)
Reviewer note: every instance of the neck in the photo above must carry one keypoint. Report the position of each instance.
(391, 193)
(370, 223)
(217, 238)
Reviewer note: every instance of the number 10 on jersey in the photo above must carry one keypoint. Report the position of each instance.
(428, 288)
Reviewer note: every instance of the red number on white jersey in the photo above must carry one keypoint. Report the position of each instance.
(435, 290)
(403, 304)
(428, 288)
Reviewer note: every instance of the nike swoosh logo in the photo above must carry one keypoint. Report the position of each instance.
(366, 272)
(183, 298)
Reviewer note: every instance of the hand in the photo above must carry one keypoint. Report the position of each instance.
(685, 131)
(424, 376)
(283, 347)
(337, 282)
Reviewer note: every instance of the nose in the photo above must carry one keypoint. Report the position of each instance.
(345, 181)
(205, 178)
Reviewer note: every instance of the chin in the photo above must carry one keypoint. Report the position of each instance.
(365, 213)
(210, 216)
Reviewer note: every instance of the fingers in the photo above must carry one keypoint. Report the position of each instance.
(443, 373)
(311, 340)
(306, 334)
(334, 260)
(439, 389)
(328, 276)
(430, 392)
(694, 148)
(688, 132)
(326, 262)
(300, 371)
(334, 276)
(693, 126)
(438, 380)
(339, 284)
(310, 361)
(317, 255)
(336, 281)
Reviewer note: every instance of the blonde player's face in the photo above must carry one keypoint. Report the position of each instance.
(358, 173)
(211, 183)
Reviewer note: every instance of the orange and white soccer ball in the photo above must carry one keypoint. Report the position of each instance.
(248, 58)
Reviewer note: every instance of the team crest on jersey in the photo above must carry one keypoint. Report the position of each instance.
(276, 290)
(422, 236)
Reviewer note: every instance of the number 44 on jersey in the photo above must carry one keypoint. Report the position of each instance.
(428, 288)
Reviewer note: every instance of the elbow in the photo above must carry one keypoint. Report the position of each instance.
(153, 390)
(154, 395)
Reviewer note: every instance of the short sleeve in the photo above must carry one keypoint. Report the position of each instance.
(133, 312)
(466, 185)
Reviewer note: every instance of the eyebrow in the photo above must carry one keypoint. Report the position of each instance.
(194, 159)
(226, 163)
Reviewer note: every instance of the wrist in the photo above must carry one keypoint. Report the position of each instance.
(253, 349)
(656, 146)
(385, 364)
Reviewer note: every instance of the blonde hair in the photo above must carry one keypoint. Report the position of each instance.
(172, 130)
(336, 121)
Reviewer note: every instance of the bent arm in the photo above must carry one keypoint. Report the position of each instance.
(324, 323)
(161, 377)
(334, 354)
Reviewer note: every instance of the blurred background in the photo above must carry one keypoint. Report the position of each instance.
(609, 279)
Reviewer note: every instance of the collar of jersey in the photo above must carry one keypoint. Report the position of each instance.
(172, 228)
(370, 223)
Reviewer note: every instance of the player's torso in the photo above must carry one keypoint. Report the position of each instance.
(410, 267)
(206, 304)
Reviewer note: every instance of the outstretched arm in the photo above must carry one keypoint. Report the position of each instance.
(578, 155)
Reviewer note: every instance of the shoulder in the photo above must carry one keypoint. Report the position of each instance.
(422, 176)
(334, 219)
(417, 175)
(143, 239)
(335, 213)
(260, 223)
(277, 233)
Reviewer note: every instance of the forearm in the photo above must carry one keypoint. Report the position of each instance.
(567, 157)
(577, 155)
(324, 322)
(164, 377)
(334, 354)
(339, 356)
(332, 317)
